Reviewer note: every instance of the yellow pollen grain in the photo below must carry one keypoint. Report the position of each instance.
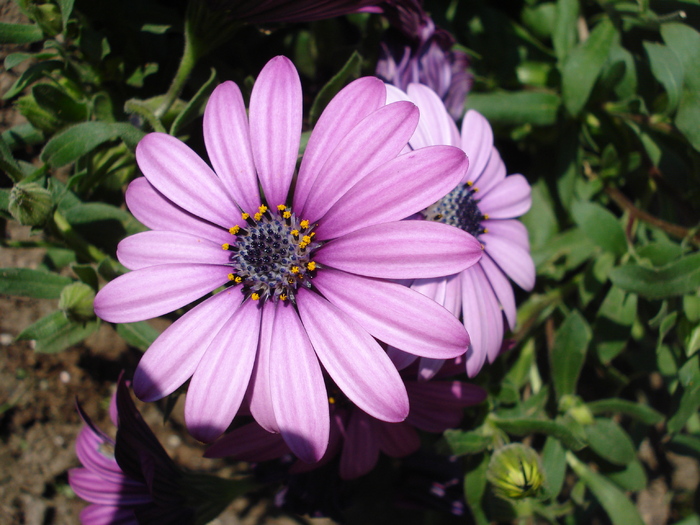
(486, 230)
(311, 266)
(475, 189)
(238, 280)
(233, 230)
(231, 277)
(254, 296)
(294, 269)
(486, 216)
(262, 208)
(287, 215)
(312, 234)
(281, 207)
(225, 246)
(245, 216)
(331, 400)
(303, 244)
(304, 224)
(306, 239)
(290, 280)
(470, 183)
(295, 233)
(257, 216)
(283, 297)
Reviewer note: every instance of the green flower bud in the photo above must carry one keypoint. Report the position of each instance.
(30, 204)
(515, 472)
(76, 302)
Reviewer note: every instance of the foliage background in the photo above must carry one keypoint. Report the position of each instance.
(596, 103)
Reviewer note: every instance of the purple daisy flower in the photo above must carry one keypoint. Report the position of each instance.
(305, 275)
(136, 482)
(485, 204)
(358, 437)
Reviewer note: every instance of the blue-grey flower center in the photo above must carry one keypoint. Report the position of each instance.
(272, 256)
(458, 208)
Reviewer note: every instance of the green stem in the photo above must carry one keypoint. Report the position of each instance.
(190, 56)
(75, 241)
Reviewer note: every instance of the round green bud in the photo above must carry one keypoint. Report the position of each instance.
(30, 204)
(76, 302)
(515, 472)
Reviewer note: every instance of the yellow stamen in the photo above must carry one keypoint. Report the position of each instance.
(233, 230)
(290, 280)
(311, 266)
(306, 239)
(257, 216)
(294, 269)
(303, 244)
(287, 215)
(226, 246)
(304, 224)
(254, 296)
(475, 189)
(238, 280)
(281, 207)
(486, 230)
(283, 297)
(231, 277)
(331, 400)
(262, 208)
(486, 216)
(245, 216)
(312, 234)
(470, 183)
(483, 247)
(295, 233)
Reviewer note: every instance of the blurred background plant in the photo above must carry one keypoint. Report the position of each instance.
(597, 103)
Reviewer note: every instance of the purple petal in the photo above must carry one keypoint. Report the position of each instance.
(250, 442)
(400, 358)
(397, 439)
(501, 287)
(88, 448)
(228, 145)
(511, 198)
(221, 378)
(352, 104)
(157, 212)
(477, 142)
(438, 405)
(402, 250)
(377, 139)
(395, 314)
(107, 515)
(427, 368)
(482, 318)
(91, 487)
(275, 127)
(180, 175)
(515, 261)
(157, 247)
(397, 189)
(494, 172)
(436, 127)
(296, 384)
(173, 357)
(355, 361)
(157, 290)
(361, 450)
(511, 230)
(259, 396)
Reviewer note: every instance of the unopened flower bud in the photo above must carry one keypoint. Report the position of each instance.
(30, 204)
(515, 472)
(76, 302)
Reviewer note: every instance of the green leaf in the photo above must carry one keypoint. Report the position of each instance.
(80, 139)
(95, 211)
(475, 486)
(610, 442)
(349, 71)
(8, 163)
(32, 73)
(678, 278)
(87, 274)
(20, 33)
(564, 30)
(554, 464)
(55, 332)
(643, 413)
(569, 353)
(195, 106)
(22, 135)
(515, 108)
(600, 226)
(66, 10)
(139, 335)
(691, 307)
(668, 71)
(618, 506)
(660, 253)
(685, 444)
(59, 103)
(32, 283)
(462, 443)
(541, 221)
(583, 65)
(529, 425)
(632, 477)
(614, 321)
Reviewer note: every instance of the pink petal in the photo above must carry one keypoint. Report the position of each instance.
(91, 487)
(397, 189)
(180, 175)
(511, 230)
(296, 384)
(157, 212)
(402, 250)
(221, 378)
(352, 104)
(482, 318)
(501, 287)
(228, 145)
(511, 198)
(397, 439)
(436, 127)
(361, 450)
(494, 172)
(157, 247)
(174, 355)
(477, 142)
(377, 139)
(157, 290)
(395, 314)
(400, 358)
(515, 261)
(250, 442)
(259, 396)
(438, 405)
(275, 127)
(88, 448)
(354, 360)
(427, 368)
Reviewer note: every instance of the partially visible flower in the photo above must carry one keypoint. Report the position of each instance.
(306, 275)
(485, 204)
(359, 438)
(420, 52)
(130, 480)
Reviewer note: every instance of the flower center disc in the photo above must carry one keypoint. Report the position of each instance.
(271, 257)
(458, 208)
